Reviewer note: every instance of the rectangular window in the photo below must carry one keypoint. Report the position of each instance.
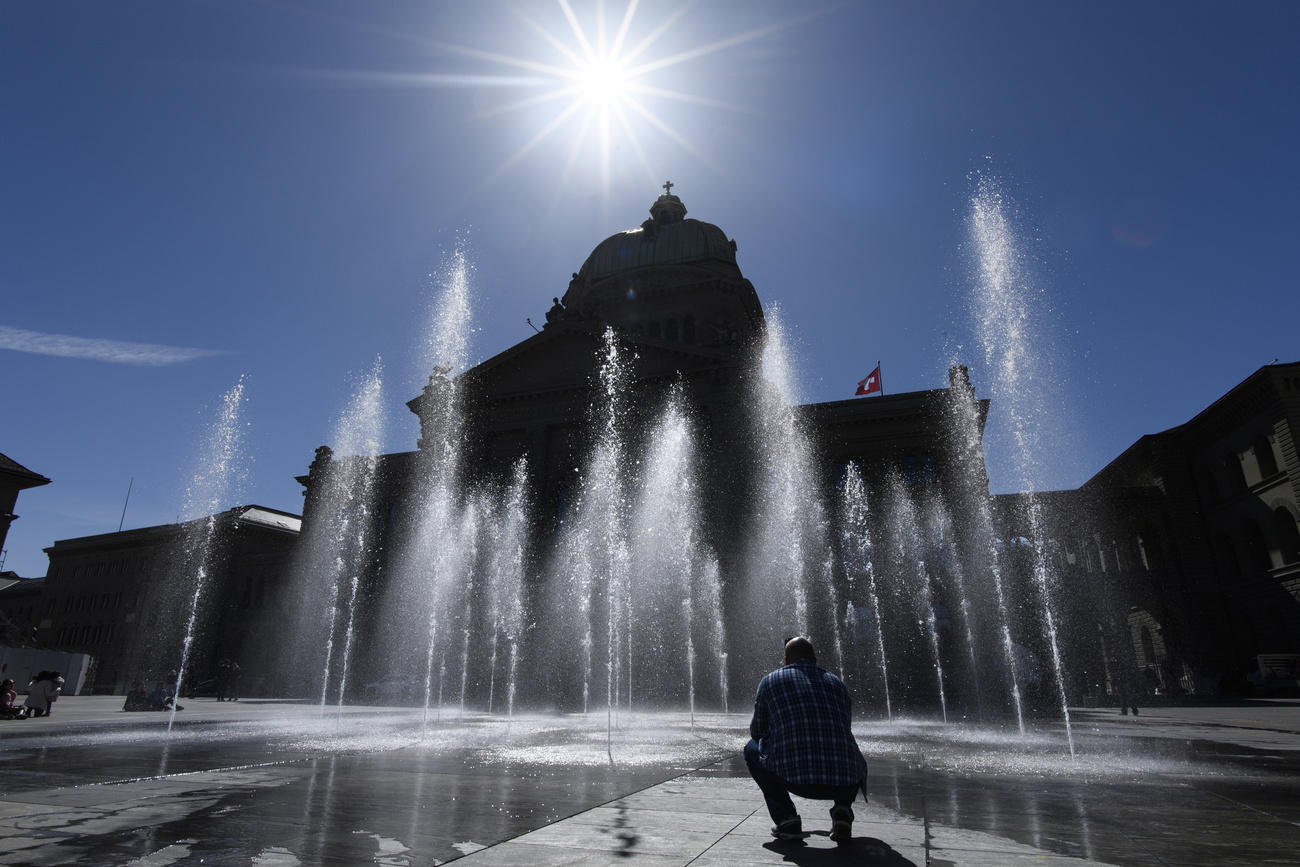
(929, 474)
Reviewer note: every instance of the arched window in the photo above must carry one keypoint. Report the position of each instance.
(652, 329)
(563, 496)
(1288, 535)
(670, 330)
(1280, 632)
(1264, 457)
(688, 330)
(1209, 490)
(911, 470)
(1226, 553)
(1151, 547)
(929, 473)
(1256, 548)
(1232, 466)
(1148, 646)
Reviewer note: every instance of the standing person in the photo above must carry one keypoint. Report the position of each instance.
(802, 743)
(42, 692)
(1127, 693)
(223, 679)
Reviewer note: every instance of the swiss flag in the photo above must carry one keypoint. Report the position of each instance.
(871, 384)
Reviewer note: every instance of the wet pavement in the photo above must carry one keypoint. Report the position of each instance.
(275, 784)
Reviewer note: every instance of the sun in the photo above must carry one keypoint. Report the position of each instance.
(603, 82)
(599, 79)
(599, 75)
(596, 85)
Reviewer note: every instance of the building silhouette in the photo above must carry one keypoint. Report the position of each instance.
(688, 319)
(124, 598)
(1179, 561)
(14, 477)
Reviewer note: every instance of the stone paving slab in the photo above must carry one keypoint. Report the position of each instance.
(517, 853)
(814, 851)
(647, 823)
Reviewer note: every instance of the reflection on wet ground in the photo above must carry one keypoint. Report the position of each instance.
(383, 788)
(279, 785)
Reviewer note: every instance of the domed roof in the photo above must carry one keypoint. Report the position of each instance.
(666, 239)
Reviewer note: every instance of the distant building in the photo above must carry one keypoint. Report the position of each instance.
(20, 600)
(118, 597)
(14, 477)
(1192, 532)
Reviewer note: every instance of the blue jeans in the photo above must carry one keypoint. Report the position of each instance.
(776, 791)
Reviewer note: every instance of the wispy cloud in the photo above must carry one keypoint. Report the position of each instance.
(96, 349)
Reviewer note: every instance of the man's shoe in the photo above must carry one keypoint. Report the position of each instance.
(841, 825)
(789, 829)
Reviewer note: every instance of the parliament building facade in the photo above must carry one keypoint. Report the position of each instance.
(1178, 564)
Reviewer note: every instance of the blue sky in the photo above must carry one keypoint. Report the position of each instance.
(195, 192)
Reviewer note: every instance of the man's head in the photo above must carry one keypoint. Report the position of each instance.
(799, 648)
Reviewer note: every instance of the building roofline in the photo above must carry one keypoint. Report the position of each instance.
(1147, 439)
(125, 537)
(1230, 393)
(10, 467)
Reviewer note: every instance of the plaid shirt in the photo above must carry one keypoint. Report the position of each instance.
(803, 725)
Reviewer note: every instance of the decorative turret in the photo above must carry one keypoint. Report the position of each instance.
(435, 407)
(314, 482)
(667, 208)
(959, 378)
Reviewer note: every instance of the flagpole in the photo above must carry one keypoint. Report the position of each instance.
(124, 504)
(882, 377)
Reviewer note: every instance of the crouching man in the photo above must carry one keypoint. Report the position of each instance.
(802, 743)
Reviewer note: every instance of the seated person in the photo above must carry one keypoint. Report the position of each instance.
(9, 708)
(802, 743)
(161, 699)
(137, 698)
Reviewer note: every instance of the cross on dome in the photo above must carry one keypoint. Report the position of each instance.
(668, 188)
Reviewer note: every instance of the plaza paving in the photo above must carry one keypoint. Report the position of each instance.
(274, 784)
